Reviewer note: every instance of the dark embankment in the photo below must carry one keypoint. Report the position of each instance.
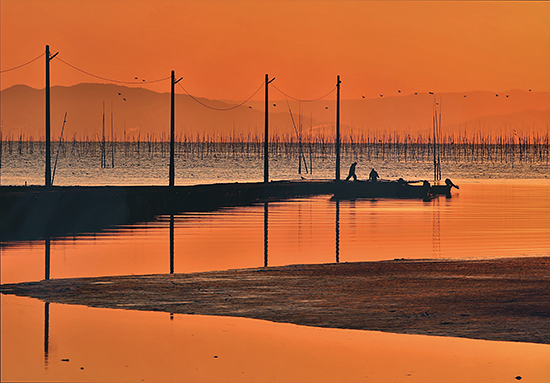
(504, 299)
(37, 212)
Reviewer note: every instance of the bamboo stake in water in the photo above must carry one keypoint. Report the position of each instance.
(59, 147)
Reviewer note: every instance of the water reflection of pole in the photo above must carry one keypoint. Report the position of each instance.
(171, 243)
(436, 230)
(265, 233)
(46, 332)
(337, 231)
(47, 258)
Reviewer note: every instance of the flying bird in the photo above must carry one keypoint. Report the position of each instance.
(529, 90)
(124, 99)
(249, 107)
(326, 107)
(143, 80)
(381, 95)
(135, 78)
(362, 96)
(119, 93)
(496, 94)
(415, 93)
(274, 104)
(506, 95)
(464, 95)
(398, 90)
(431, 92)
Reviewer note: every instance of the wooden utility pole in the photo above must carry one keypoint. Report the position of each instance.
(103, 140)
(338, 128)
(266, 133)
(112, 139)
(48, 170)
(171, 171)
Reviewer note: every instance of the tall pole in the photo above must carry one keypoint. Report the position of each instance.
(172, 129)
(173, 82)
(338, 128)
(112, 139)
(48, 171)
(266, 133)
(103, 139)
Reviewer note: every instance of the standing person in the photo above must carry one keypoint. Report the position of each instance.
(373, 176)
(352, 172)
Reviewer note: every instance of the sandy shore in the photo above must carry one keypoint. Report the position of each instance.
(503, 299)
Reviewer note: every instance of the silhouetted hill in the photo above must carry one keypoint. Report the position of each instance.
(142, 112)
(137, 111)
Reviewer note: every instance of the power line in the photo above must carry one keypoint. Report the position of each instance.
(22, 65)
(297, 99)
(221, 109)
(111, 80)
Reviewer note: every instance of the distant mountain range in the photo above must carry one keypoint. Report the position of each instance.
(144, 113)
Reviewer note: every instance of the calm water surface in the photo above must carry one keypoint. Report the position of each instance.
(483, 219)
(129, 346)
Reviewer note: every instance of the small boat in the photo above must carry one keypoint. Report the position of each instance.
(443, 189)
(392, 189)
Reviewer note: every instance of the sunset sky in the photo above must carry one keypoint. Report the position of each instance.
(224, 48)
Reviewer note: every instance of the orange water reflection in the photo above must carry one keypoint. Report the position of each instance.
(119, 345)
(489, 219)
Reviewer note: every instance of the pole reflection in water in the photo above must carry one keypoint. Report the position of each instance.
(46, 333)
(47, 258)
(436, 236)
(171, 243)
(265, 232)
(337, 231)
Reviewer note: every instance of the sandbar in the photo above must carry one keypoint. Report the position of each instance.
(504, 299)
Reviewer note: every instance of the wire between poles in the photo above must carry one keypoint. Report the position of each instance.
(22, 65)
(297, 99)
(220, 109)
(111, 80)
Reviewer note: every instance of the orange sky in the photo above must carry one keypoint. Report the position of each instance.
(224, 48)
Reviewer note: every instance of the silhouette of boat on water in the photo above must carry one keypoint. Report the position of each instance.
(392, 189)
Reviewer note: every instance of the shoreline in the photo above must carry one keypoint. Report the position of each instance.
(493, 299)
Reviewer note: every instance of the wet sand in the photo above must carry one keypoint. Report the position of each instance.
(493, 299)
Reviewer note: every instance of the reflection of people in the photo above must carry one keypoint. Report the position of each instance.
(352, 172)
(373, 176)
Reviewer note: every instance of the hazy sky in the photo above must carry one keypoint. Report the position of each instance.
(224, 48)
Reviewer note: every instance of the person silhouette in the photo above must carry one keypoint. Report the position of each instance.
(352, 172)
(373, 175)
